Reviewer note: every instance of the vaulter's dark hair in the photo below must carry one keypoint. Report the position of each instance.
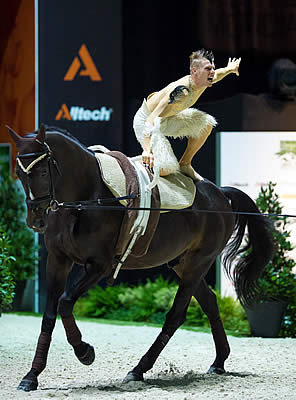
(197, 56)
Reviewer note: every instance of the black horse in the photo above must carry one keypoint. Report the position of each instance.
(53, 166)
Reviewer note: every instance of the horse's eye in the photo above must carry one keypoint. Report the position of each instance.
(43, 173)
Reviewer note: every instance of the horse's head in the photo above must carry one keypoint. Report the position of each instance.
(34, 170)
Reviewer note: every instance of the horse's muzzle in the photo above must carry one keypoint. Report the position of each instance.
(39, 230)
(38, 224)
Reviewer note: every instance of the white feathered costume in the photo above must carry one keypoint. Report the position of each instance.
(188, 123)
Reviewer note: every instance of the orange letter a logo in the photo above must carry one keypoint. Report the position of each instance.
(63, 113)
(90, 68)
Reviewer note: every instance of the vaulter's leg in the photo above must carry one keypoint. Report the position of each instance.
(208, 302)
(193, 145)
(56, 273)
(75, 287)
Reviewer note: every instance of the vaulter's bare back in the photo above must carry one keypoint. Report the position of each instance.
(183, 102)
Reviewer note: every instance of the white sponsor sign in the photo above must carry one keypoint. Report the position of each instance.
(249, 160)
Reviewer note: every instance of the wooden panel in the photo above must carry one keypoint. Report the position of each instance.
(17, 76)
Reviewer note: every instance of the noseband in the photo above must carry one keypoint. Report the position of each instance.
(50, 197)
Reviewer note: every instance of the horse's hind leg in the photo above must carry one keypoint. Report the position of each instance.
(175, 318)
(74, 289)
(177, 314)
(208, 303)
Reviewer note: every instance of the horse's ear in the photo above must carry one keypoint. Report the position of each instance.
(15, 137)
(41, 134)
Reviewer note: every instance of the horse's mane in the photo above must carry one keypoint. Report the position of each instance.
(60, 130)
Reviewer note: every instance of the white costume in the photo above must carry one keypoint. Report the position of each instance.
(188, 123)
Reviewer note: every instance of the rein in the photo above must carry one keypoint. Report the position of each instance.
(89, 204)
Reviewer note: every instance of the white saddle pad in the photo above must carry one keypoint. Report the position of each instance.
(177, 191)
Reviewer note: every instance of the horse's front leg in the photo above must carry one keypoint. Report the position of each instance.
(56, 273)
(75, 287)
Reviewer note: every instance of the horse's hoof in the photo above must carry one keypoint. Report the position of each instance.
(133, 377)
(27, 385)
(89, 356)
(216, 370)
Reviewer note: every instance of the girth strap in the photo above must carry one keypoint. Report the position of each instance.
(141, 222)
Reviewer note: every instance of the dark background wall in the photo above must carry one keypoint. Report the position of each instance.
(158, 38)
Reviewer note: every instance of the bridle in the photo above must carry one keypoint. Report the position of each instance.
(50, 197)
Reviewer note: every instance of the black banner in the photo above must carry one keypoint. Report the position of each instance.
(79, 85)
(80, 74)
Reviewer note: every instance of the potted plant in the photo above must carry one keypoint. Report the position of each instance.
(275, 311)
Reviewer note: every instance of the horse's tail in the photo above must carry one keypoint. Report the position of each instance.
(252, 257)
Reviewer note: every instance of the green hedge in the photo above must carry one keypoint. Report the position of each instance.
(13, 223)
(6, 277)
(150, 302)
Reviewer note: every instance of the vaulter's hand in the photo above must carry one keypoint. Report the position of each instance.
(233, 65)
(148, 158)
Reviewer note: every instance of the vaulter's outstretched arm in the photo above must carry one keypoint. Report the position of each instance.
(232, 67)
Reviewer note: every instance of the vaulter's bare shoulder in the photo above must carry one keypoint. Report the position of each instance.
(154, 98)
